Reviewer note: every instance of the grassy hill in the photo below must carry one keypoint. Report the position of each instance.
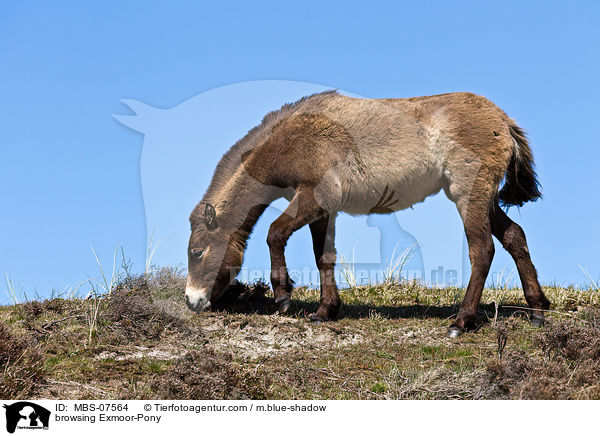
(141, 342)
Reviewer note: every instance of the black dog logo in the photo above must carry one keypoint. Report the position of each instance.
(31, 414)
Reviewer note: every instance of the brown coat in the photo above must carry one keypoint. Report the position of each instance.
(329, 153)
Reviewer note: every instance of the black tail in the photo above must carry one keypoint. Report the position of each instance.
(521, 184)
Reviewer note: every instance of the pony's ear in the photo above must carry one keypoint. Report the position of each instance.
(210, 217)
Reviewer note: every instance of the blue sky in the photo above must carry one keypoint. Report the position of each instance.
(71, 172)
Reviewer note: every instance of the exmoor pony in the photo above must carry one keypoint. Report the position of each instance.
(329, 153)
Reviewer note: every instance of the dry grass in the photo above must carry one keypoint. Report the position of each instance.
(131, 312)
(389, 344)
(205, 375)
(21, 371)
(565, 366)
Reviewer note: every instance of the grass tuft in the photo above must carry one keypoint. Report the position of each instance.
(21, 369)
(203, 376)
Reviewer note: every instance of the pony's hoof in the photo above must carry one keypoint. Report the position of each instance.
(454, 332)
(316, 319)
(537, 321)
(283, 304)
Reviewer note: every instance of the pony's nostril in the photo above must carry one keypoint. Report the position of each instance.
(190, 305)
(197, 305)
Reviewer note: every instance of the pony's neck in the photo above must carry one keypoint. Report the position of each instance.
(239, 202)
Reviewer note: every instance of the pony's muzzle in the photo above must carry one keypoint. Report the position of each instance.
(196, 301)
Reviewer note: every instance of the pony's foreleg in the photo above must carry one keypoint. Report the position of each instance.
(302, 210)
(323, 236)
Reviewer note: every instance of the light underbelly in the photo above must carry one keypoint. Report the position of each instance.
(385, 195)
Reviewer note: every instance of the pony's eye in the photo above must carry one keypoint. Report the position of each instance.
(197, 253)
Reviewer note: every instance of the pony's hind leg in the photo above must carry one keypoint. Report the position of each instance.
(512, 237)
(481, 253)
(473, 191)
(323, 236)
(302, 210)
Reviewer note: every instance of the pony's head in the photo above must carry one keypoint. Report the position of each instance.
(215, 255)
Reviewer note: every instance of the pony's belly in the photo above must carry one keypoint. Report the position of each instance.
(390, 197)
